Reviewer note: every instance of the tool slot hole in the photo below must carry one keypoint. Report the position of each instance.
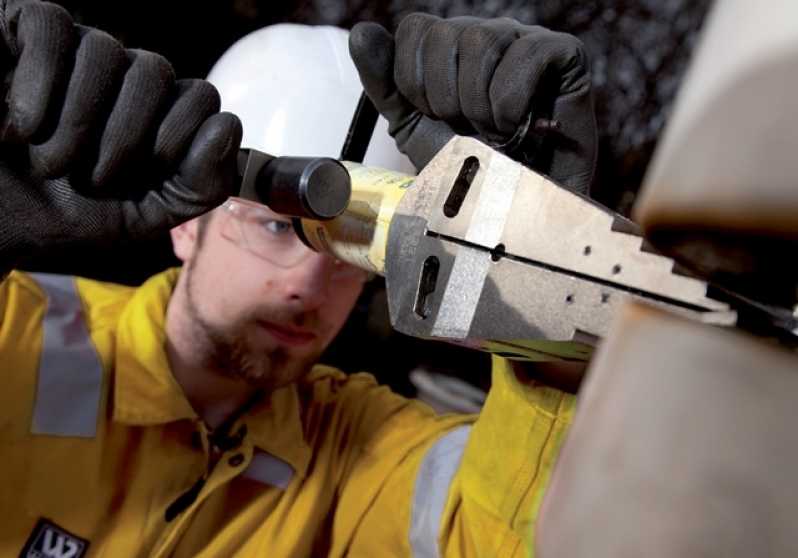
(462, 184)
(426, 286)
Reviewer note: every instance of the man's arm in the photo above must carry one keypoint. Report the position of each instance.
(99, 144)
(408, 482)
(416, 484)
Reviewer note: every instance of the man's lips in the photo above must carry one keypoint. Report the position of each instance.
(288, 335)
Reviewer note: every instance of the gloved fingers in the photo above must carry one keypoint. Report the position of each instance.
(538, 68)
(518, 79)
(129, 130)
(195, 100)
(576, 142)
(372, 51)
(100, 65)
(419, 137)
(438, 56)
(409, 58)
(40, 53)
(427, 138)
(481, 48)
(205, 177)
(204, 181)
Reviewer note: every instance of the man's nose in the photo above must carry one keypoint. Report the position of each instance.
(308, 282)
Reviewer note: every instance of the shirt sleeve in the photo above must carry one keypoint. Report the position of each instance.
(20, 303)
(427, 485)
(4, 294)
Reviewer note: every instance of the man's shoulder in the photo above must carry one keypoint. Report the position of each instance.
(31, 289)
(335, 381)
(29, 299)
(332, 392)
(330, 381)
(354, 413)
(43, 285)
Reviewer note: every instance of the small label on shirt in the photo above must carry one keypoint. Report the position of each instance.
(48, 540)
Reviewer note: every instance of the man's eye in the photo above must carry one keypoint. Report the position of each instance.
(276, 226)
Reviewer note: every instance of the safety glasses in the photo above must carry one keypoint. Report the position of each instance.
(271, 237)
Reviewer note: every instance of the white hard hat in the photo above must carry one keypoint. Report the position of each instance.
(295, 89)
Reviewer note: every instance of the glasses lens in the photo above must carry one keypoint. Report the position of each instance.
(264, 233)
(271, 237)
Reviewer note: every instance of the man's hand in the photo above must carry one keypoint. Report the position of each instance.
(495, 77)
(98, 143)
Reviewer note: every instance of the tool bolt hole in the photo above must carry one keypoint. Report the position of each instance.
(587, 250)
(461, 186)
(569, 299)
(605, 298)
(616, 269)
(426, 287)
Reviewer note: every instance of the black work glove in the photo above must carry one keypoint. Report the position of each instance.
(100, 144)
(494, 78)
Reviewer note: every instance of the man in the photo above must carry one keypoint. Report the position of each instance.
(186, 417)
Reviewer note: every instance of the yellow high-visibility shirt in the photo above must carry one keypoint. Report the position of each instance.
(102, 455)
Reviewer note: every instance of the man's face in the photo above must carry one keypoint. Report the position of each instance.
(260, 307)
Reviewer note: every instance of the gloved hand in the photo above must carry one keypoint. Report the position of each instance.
(494, 77)
(100, 144)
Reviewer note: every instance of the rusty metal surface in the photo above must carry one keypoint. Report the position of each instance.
(684, 444)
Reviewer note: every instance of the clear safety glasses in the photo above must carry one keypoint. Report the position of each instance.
(271, 237)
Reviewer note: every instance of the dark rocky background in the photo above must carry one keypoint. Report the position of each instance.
(639, 49)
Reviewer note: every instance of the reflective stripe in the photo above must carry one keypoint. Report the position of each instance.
(270, 470)
(462, 294)
(432, 488)
(467, 278)
(70, 371)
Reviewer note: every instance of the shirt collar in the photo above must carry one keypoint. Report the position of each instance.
(275, 426)
(146, 392)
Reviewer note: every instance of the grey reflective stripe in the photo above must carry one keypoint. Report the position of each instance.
(467, 278)
(70, 372)
(432, 489)
(270, 470)
(462, 294)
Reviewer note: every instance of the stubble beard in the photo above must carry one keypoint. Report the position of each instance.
(228, 351)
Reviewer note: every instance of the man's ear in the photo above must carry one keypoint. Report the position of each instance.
(184, 239)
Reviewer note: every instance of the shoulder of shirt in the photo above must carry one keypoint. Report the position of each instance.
(334, 380)
(102, 301)
(326, 385)
(22, 281)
